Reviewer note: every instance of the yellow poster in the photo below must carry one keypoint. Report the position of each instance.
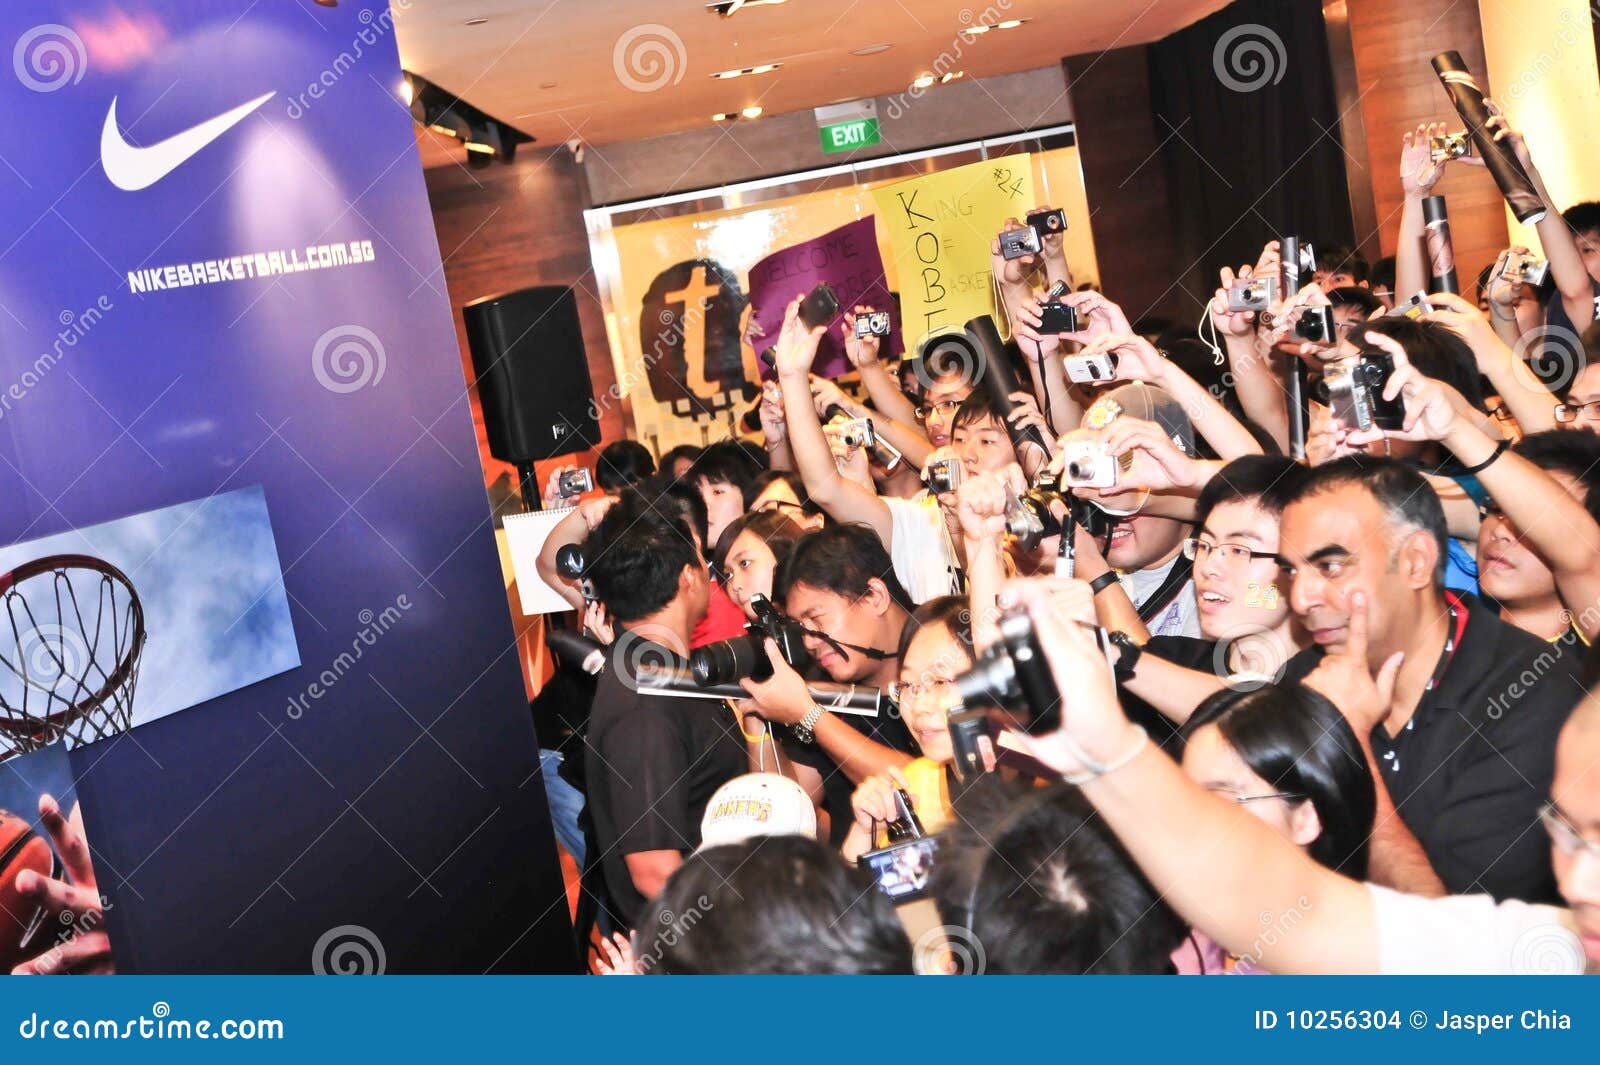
(940, 227)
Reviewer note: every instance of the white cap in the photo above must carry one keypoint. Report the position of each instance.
(757, 804)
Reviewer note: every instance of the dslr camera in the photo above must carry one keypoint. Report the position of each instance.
(1447, 146)
(744, 657)
(1014, 678)
(1252, 293)
(1528, 269)
(1015, 243)
(872, 324)
(943, 475)
(1355, 391)
(575, 483)
(1316, 325)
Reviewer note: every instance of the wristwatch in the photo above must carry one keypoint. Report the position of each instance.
(805, 731)
(1128, 661)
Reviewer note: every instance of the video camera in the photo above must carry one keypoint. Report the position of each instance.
(744, 657)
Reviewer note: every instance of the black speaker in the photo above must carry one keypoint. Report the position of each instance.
(533, 378)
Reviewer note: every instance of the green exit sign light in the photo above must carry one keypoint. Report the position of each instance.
(848, 136)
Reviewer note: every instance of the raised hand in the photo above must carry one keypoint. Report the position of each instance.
(796, 349)
(861, 351)
(1418, 172)
(1345, 678)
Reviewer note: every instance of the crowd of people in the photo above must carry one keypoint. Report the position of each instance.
(1174, 676)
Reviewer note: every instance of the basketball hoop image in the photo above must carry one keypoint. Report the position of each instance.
(71, 634)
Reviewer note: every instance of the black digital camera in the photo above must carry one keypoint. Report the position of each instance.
(1013, 677)
(1030, 519)
(872, 324)
(1043, 222)
(1355, 391)
(819, 307)
(1015, 243)
(1058, 317)
(1316, 325)
(744, 657)
(903, 871)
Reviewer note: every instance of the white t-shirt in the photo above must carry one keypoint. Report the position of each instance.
(924, 559)
(1180, 617)
(1472, 934)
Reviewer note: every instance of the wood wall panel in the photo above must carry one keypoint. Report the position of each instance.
(1393, 43)
(510, 227)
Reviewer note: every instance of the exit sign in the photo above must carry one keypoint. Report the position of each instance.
(848, 136)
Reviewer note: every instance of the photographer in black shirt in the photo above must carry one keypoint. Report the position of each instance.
(653, 761)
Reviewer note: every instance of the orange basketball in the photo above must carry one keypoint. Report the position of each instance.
(20, 849)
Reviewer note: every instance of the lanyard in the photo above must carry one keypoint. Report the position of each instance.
(1458, 625)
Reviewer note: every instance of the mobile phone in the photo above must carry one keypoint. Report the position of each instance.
(819, 307)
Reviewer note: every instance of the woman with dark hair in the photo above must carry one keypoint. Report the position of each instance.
(750, 553)
(1287, 755)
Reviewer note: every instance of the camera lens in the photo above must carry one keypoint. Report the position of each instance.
(569, 561)
(730, 660)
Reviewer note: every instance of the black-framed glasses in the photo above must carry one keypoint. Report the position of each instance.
(1198, 550)
(1570, 412)
(777, 504)
(947, 407)
(1565, 834)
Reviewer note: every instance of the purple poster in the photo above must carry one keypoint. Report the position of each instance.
(846, 258)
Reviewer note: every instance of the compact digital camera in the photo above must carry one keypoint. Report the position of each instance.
(1057, 317)
(872, 324)
(1529, 269)
(1317, 326)
(1043, 222)
(575, 483)
(943, 475)
(1447, 146)
(1015, 243)
(1088, 465)
(1252, 293)
(1355, 391)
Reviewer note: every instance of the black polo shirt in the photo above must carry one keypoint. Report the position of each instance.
(888, 728)
(1471, 768)
(652, 763)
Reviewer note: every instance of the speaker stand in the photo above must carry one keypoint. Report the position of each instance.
(530, 487)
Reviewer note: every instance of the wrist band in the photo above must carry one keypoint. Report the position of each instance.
(1104, 581)
(1097, 771)
(1499, 449)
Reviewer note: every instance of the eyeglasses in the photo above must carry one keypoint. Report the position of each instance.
(947, 407)
(777, 504)
(1286, 796)
(1569, 412)
(1564, 833)
(900, 693)
(1197, 550)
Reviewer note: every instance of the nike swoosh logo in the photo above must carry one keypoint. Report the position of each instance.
(132, 168)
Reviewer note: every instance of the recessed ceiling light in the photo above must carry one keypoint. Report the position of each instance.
(725, 116)
(979, 30)
(922, 81)
(951, 75)
(547, 85)
(871, 49)
(753, 111)
(730, 8)
(476, 21)
(764, 68)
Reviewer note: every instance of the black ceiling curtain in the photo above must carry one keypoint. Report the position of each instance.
(1243, 105)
